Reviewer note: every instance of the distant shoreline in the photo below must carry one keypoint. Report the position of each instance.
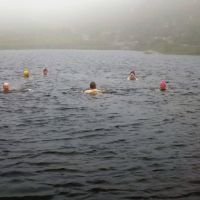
(145, 51)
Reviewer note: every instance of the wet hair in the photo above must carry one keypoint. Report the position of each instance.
(92, 85)
(132, 72)
(45, 71)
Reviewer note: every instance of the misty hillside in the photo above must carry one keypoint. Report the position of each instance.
(171, 26)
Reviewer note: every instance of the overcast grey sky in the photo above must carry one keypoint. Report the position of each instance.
(23, 12)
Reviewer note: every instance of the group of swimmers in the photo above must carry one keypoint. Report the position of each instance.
(131, 76)
(92, 90)
(6, 86)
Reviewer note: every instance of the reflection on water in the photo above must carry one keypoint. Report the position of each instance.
(132, 142)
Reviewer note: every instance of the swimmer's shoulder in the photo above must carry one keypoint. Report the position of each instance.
(94, 91)
(132, 79)
(87, 91)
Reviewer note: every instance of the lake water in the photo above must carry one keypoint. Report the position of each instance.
(132, 142)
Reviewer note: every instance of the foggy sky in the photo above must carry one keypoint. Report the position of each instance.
(16, 14)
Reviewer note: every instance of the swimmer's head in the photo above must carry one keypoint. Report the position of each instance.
(26, 73)
(132, 73)
(45, 71)
(6, 87)
(163, 85)
(92, 85)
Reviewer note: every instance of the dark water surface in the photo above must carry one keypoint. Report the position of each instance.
(133, 142)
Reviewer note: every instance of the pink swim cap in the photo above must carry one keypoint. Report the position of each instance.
(163, 85)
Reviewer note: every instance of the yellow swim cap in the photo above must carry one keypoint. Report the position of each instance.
(26, 73)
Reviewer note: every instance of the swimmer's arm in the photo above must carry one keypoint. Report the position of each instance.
(92, 91)
(86, 92)
(132, 79)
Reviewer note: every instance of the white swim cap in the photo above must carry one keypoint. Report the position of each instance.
(6, 84)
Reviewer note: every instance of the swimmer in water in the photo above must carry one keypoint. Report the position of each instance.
(45, 71)
(163, 85)
(93, 89)
(132, 76)
(6, 87)
(26, 73)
